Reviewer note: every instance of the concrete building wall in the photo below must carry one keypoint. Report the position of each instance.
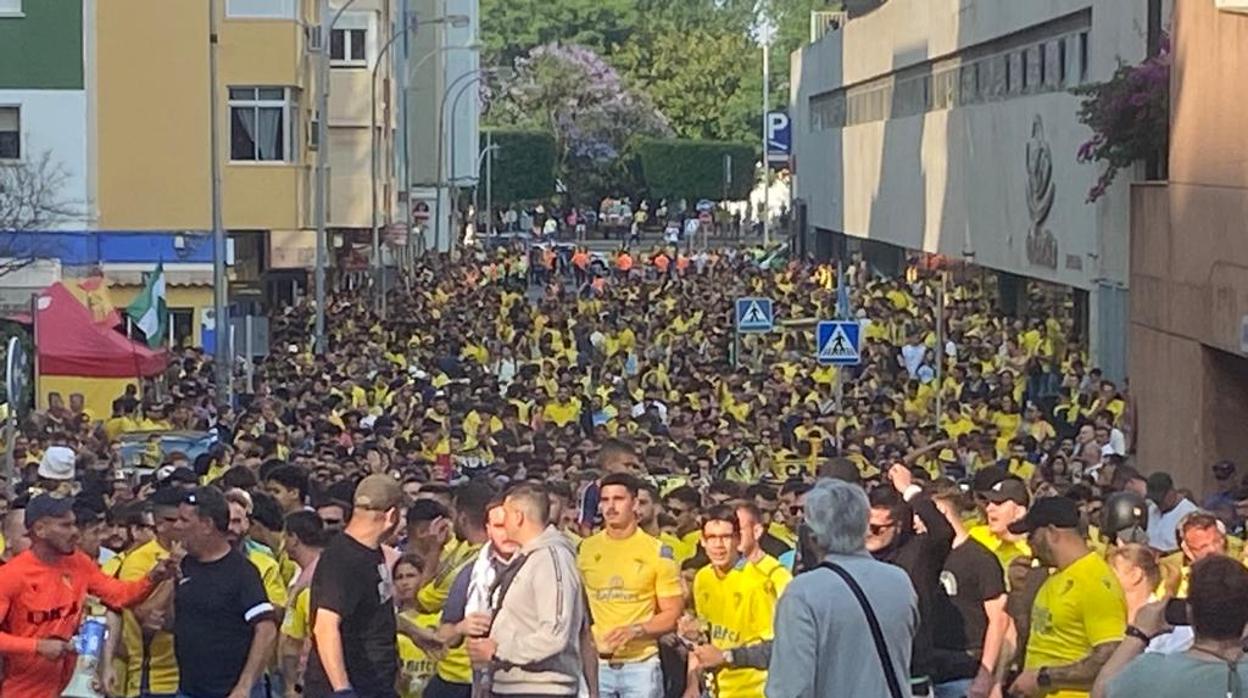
(1189, 260)
(955, 178)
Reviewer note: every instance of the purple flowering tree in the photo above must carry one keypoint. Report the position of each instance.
(576, 95)
(1129, 116)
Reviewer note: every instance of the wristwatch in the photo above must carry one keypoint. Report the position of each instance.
(1138, 634)
(1043, 680)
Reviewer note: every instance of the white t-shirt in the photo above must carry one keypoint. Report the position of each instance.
(912, 357)
(1161, 527)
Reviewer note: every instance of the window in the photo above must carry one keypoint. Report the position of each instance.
(346, 47)
(1083, 57)
(1061, 62)
(11, 8)
(259, 9)
(181, 327)
(10, 133)
(260, 125)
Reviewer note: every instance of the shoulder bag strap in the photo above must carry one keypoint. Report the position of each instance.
(894, 686)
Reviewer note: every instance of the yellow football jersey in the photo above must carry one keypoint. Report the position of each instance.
(1075, 610)
(624, 579)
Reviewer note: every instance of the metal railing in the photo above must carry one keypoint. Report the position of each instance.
(824, 21)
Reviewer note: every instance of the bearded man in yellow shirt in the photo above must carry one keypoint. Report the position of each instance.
(1080, 612)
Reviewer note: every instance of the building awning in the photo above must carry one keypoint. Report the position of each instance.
(176, 274)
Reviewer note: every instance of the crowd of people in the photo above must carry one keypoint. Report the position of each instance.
(582, 488)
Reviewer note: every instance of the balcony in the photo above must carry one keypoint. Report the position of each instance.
(824, 21)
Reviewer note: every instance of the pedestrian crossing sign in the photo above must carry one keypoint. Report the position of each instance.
(755, 315)
(839, 342)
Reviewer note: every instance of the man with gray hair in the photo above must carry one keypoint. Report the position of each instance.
(826, 613)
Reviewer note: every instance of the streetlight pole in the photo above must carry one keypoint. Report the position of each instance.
(220, 291)
(476, 207)
(409, 25)
(407, 149)
(441, 165)
(454, 178)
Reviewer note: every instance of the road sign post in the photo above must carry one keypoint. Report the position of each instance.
(751, 316)
(838, 343)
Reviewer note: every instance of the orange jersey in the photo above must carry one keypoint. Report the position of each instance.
(40, 600)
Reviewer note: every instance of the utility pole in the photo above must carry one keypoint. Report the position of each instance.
(220, 289)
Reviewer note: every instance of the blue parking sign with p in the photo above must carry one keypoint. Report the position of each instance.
(755, 315)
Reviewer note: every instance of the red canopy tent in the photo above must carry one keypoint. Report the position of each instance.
(70, 344)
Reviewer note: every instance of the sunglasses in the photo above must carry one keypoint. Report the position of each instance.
(796, 510)
(877, 529)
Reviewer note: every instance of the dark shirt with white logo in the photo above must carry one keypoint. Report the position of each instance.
(352, 580)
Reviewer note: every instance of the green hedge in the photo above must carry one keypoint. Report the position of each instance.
(524, 165)
(673, 168)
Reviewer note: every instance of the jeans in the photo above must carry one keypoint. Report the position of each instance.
(642, 679)
(952, 689)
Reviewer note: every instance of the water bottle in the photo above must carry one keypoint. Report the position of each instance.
(88, 643)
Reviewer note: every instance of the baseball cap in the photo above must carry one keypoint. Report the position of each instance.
(47, 505)
(57, 463)
(1061, 512)
(1011, 489)
(378, 493)
(1159, 485)
(985, 478)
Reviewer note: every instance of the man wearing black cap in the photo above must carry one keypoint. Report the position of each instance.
(1005, 500)
(1080, 613)
(42, 594)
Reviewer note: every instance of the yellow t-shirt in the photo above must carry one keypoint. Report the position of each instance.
(295, 622)
(680, 549)
(454, 667)
(562, 414)
(161, 665)
(270, 575)
(415, 666)
(739, 608)
(1005, 550)
(624, 579)
(1075, 610)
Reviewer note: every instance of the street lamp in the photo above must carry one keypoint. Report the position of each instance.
(408, 26)
(476, 191)
(472, 75)
(407, 185)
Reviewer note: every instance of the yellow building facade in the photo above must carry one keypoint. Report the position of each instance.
(152, 119)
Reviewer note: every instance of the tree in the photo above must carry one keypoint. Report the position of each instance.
(524, 166)
(682, 169)
(32, 201)
(573, 94)
(512, 28)
(707, 84)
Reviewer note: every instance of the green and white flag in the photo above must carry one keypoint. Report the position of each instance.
(149, 310)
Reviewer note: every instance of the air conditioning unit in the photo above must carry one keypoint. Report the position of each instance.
(1240, 6)
(315, 38)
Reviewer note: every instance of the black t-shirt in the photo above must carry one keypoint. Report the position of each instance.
(971, 576)
(215, 606)
(353, 581)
